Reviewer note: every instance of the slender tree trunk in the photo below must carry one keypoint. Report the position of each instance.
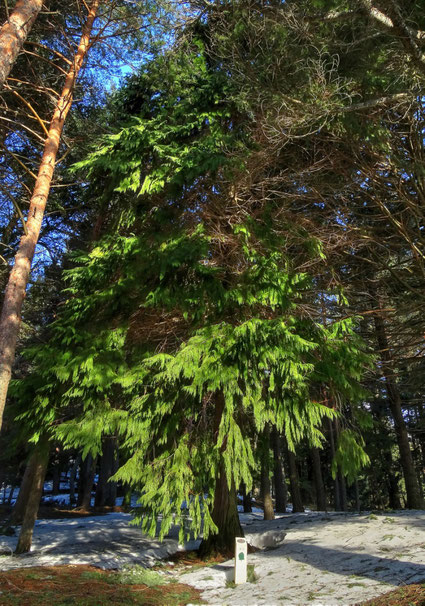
(343, 492)
(294, 482)
(414, 499)
(225, 511)
(11, 493)
(341, 484)
(281, 491)
(24, 490)
(56, 479)
(392, 482)
(72, 477)
(318, 480)
(337, 491)
(265, 475)
(247, 501)
(14, 33)
(15, 291)
(31, 510)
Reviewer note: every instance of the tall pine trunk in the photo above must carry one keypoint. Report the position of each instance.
(39, 472)
(18, 279)
(294, 482)
(265, 474)
(14, 33)
(106, 492)
(280, 489)
(88, 471)
(225, 511)
(337, 490)
(247, 500)
(414, 499)
(24, 490)
(318, 480)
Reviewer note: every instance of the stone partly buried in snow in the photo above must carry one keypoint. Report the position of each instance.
(266, 540)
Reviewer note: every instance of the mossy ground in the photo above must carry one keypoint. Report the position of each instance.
(87, 586)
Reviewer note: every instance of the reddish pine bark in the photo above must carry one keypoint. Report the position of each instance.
(15, 291)
(14, 33)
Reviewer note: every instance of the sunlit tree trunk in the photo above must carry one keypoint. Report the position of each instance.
(41, 454)
(14, 33)
(15, 291)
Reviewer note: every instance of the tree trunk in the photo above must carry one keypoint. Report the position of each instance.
(294, 482)
(88, 471)
(343, 492)
(414, 499)
(24, 490)
(72, 476)
(106, 492)
(225, 511)
(14, 33)
(392, 482)
(15, 291)
(225, 516)
(265, 474)
(42, 457)
(337, 491)
(318, 480)
(56, 479)
(247, 501)
(281, 492)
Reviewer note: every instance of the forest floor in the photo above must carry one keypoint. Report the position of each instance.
(303, 559)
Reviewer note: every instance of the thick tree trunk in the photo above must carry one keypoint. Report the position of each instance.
(225, 516)
(106, 492)
(265, 475)
(31, 510)
(225, 511)
(318, 480)
(294, 482)
(280, 489)
(24, 490)
(15, 291)
(14, 33)
(88, 471)
(414, 499)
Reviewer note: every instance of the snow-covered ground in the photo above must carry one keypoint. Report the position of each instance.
(325, 559)
(106, 541)
(312, 559)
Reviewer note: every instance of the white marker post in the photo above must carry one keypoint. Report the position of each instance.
(241, 556)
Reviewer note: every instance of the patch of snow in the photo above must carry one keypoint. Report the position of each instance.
(104, 541)
(327, 559)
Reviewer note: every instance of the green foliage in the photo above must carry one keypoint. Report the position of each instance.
(186, 330)
(350, 456)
